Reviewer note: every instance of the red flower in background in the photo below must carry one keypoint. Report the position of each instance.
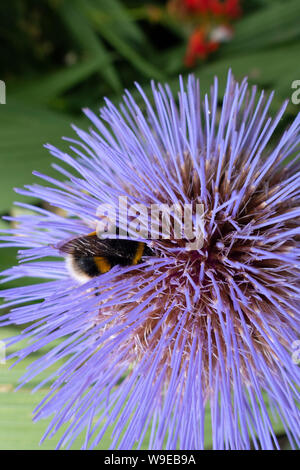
(228, 8)
(232, 8)
(199, 47)
(197, 5)
(211, 21)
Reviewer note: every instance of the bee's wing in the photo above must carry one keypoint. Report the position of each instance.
(89, 245)
(92, 245)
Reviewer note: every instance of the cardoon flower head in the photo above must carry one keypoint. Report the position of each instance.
(153, 347)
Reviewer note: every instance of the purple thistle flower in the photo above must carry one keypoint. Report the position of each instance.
(154, 346)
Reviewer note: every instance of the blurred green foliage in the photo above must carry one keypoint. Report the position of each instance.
(58, 56)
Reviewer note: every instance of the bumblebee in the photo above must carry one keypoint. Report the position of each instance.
(89, 256)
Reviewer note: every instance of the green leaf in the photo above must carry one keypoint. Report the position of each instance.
(44, 89)
(274, 25)
(172, 60)
(73, 16)
(8, 257)
(117, 17)
(115, 39)
(24, 130)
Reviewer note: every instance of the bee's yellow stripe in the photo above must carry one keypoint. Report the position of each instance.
(139, 252)
(102, 264)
